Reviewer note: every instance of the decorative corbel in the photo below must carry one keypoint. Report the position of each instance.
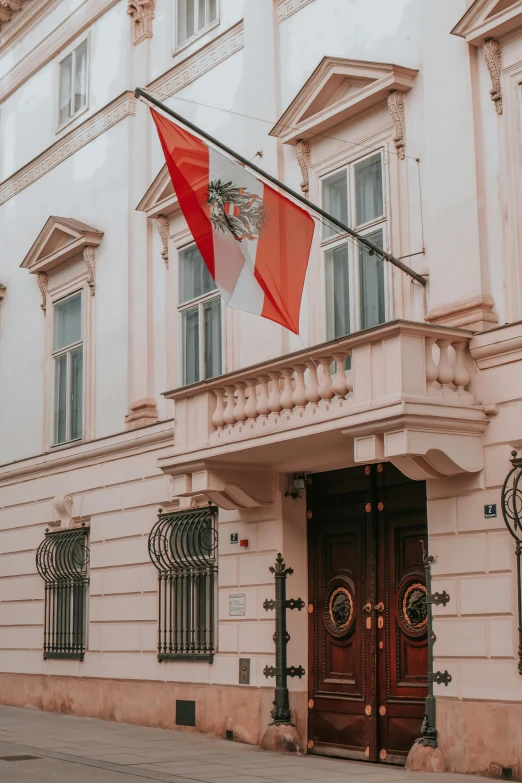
(396, 107)
(493, 57)
(63, 505)
(302, 149)
(164, 231)
(43, 281)
(142, 14)
(89, 256)
(3, 289)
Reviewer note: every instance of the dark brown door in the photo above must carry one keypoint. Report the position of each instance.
(368, 642)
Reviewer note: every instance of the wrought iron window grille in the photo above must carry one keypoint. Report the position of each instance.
(183, 548)
(62, 560)
(512, 513)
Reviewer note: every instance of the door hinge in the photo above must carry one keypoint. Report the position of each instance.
(438, 598)
(441, 678)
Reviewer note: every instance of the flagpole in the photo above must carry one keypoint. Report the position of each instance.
(374, 249)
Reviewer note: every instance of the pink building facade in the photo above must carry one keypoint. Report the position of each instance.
(131, 398)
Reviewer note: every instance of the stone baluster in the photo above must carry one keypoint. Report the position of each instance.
(299, 396)
(312, 387)
(239, 410)
(445, 374)
(431, 367)
(228, 415)
(339, 384)
(274, 398)
(251, 406)
(287, 396)
(217, 417)
(325, 387)
(262, 400)
(462, 376)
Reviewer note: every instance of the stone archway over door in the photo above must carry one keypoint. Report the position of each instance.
(367, 613)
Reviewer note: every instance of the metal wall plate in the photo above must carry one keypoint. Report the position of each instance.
(244, 671)
(185, 713)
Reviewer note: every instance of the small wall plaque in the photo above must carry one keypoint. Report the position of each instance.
(234, 538)
(236, 605)
(490, 511)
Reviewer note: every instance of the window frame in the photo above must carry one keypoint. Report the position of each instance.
(365, 229)
(68, 350)
(62, 57)
(198, 301)
(210, 26)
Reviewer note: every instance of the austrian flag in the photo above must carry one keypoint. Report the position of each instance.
(254, 241)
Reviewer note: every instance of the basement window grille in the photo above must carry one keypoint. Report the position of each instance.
(183, 547)
(62, 561)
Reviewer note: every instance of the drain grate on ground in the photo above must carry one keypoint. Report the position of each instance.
(18, 758)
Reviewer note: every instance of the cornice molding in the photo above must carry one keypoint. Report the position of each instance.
(89, 130)
(190, 69)
(488, 19)
(286, 8)
(74, 25)
(33, 13)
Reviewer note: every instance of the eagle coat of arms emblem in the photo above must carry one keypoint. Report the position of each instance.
(236, 211)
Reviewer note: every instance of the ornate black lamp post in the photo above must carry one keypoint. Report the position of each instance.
(512, 513)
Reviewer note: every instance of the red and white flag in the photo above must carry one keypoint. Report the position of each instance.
(254, 240)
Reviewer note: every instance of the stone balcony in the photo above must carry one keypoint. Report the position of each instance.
(400, 392)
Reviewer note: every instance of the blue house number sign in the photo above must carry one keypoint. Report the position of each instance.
(490, 511)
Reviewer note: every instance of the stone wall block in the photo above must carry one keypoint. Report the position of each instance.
(487, 595)
(254, 570)
(133, 608)
(251, 604)
(502, 638)
(245, 530)
(228, 637)
(501, 552)
(470, 511)
(461, 638)
(116, 553)
(228, 572)
(460, 555)
(256, 637)
(442, 516)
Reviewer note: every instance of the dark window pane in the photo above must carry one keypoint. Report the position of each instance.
(212, 11)
(65, 108)
(67, 322)
(60, 399)
(191, 335)
(212, 315)
(76, 387)
(368, 189)
(194, 277)
(338, 292)
(334, 190)
(373, 311)
(80, 77)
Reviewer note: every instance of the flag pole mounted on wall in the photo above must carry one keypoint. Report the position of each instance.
(374, 249)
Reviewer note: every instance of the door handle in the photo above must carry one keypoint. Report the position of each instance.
(379, 607)
(367, 608)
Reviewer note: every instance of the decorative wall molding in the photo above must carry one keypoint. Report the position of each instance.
(302, 149)
(197, 64)
(488, 19)
(8, 8)
(71, 27)
(164, 231)
(93, 127)
(89, 256)
(142, 14)
(141, 413)
(475, 313)
(493, 57)
(3, 290)
(286, 8)
(24, 21)
(63, 505)
(396, 107)
(43, 282)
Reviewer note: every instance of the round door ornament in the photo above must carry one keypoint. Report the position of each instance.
(412, 608)
(339, 606)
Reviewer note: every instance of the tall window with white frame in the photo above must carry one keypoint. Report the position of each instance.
(193, 17)
(356, 290)
(200, 312)
(68, 369)
(73, 83)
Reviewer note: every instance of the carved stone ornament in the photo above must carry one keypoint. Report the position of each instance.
(396, 107)
(63, 505)
(164, 231)
(142, 14)
(302, 149)
(43, 281)
(89, 255)
(339, 606)
(3, 289)
(493, 57)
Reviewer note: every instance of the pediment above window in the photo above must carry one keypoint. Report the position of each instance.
(489, 19)
(160, 198)
(59, 240)
(339, 90)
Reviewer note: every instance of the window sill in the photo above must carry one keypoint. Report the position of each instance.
(208, 657)
(69, 122)
(75, 656)
(202, 33)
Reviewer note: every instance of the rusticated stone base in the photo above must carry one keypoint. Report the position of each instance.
(481, 738)
(283, 739)
(422, 758)
(243, 710)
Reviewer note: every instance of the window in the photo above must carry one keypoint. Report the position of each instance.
(62, 561)
(355, 280)
(192, 17)
(183, 548)
(73, 83)
(68, 369)
(200, 310)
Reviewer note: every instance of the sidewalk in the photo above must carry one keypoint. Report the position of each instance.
(85, 750)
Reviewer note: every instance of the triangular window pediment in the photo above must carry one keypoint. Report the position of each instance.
(59, 240)
(489, 19)
(160, 198)
(339, 90)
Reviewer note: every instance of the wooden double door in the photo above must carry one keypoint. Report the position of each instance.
(368, 659)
